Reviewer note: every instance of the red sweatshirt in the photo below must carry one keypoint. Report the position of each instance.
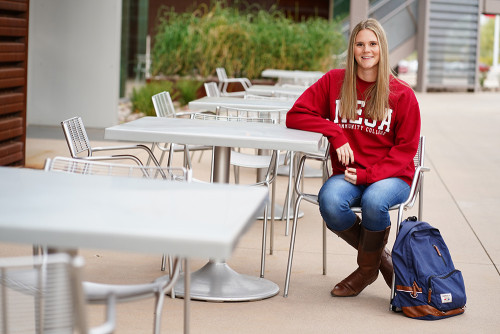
(382, 149)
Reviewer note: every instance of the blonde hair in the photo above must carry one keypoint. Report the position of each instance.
(377, 96)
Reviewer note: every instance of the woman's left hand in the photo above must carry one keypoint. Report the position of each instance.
(350, 175)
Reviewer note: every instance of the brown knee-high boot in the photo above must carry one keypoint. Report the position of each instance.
(370, 249)
(351, 236)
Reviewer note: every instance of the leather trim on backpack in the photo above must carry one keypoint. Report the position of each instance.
(414, 290)
(425, 310)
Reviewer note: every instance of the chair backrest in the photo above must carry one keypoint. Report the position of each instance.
(76, 137)
(164, 107)
(42, 295)
(89, 167)
(221, 74)
(211, 89)
(278, 115)
(418, 161)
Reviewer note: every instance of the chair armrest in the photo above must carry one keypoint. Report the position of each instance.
(114, 157)
(412, 196)
(125, 147)
(322, 157)
(245, 82)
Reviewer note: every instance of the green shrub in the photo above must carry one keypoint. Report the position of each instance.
(141, 97)
(244, 42)
(187, 89)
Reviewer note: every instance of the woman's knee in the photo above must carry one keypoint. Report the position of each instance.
(334, 206)
(377, 200)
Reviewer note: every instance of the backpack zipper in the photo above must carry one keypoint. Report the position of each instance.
(439, 253)
(429, 292)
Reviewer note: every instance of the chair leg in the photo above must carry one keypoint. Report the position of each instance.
(273, 201)
(264, 237)
(161, 157)
(324, 247)
(170, 155)
(201, 155)
(149, 158)
(236, 174)
(393, 288)
(163, 262)
(160, 296)
(289, 193)
(292, 246)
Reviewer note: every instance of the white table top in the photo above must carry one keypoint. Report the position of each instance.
(215, 133)
(125, 214)
(211, 103)
(275, 90)
(291, 74)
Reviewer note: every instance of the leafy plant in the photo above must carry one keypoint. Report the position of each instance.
(244, 42)
(187, 89)
(141, 97)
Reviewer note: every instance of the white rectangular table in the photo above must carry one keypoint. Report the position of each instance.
(46, 208)
(223, 136)
(211, 103)
(183, 219)
(276, 90)
(294, 76)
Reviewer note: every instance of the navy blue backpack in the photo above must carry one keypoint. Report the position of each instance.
(427, 285)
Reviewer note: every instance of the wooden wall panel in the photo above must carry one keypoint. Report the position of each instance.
(14, 17)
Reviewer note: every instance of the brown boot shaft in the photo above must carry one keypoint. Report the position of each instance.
(352, 237)
(371, 247)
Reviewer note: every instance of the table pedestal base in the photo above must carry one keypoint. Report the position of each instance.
(216, 281)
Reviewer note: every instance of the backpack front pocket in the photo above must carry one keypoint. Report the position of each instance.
(446, 292)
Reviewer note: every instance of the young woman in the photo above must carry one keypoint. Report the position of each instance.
(372, 121)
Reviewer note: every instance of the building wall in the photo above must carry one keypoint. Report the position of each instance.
(74, 61)
(491, 7)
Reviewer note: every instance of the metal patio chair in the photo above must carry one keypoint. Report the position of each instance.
(80, 148)
(270, 163)
(164, 107)
(224, 83)
(46, 294)
(279, 117)
(211, 89)
(416, 190)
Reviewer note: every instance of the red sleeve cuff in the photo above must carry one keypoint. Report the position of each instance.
(360, 176)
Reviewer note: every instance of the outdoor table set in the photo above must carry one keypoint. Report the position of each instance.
(223, 136)
(168, 224)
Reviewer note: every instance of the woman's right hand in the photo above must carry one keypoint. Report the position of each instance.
(345, 154)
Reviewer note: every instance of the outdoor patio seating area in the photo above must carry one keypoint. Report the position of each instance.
(461, 194)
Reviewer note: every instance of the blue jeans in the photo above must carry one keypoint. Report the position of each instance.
(337, 196)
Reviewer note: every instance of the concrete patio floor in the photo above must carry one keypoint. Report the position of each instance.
(461, 197)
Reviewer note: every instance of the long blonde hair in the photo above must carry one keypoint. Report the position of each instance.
(377, 96)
